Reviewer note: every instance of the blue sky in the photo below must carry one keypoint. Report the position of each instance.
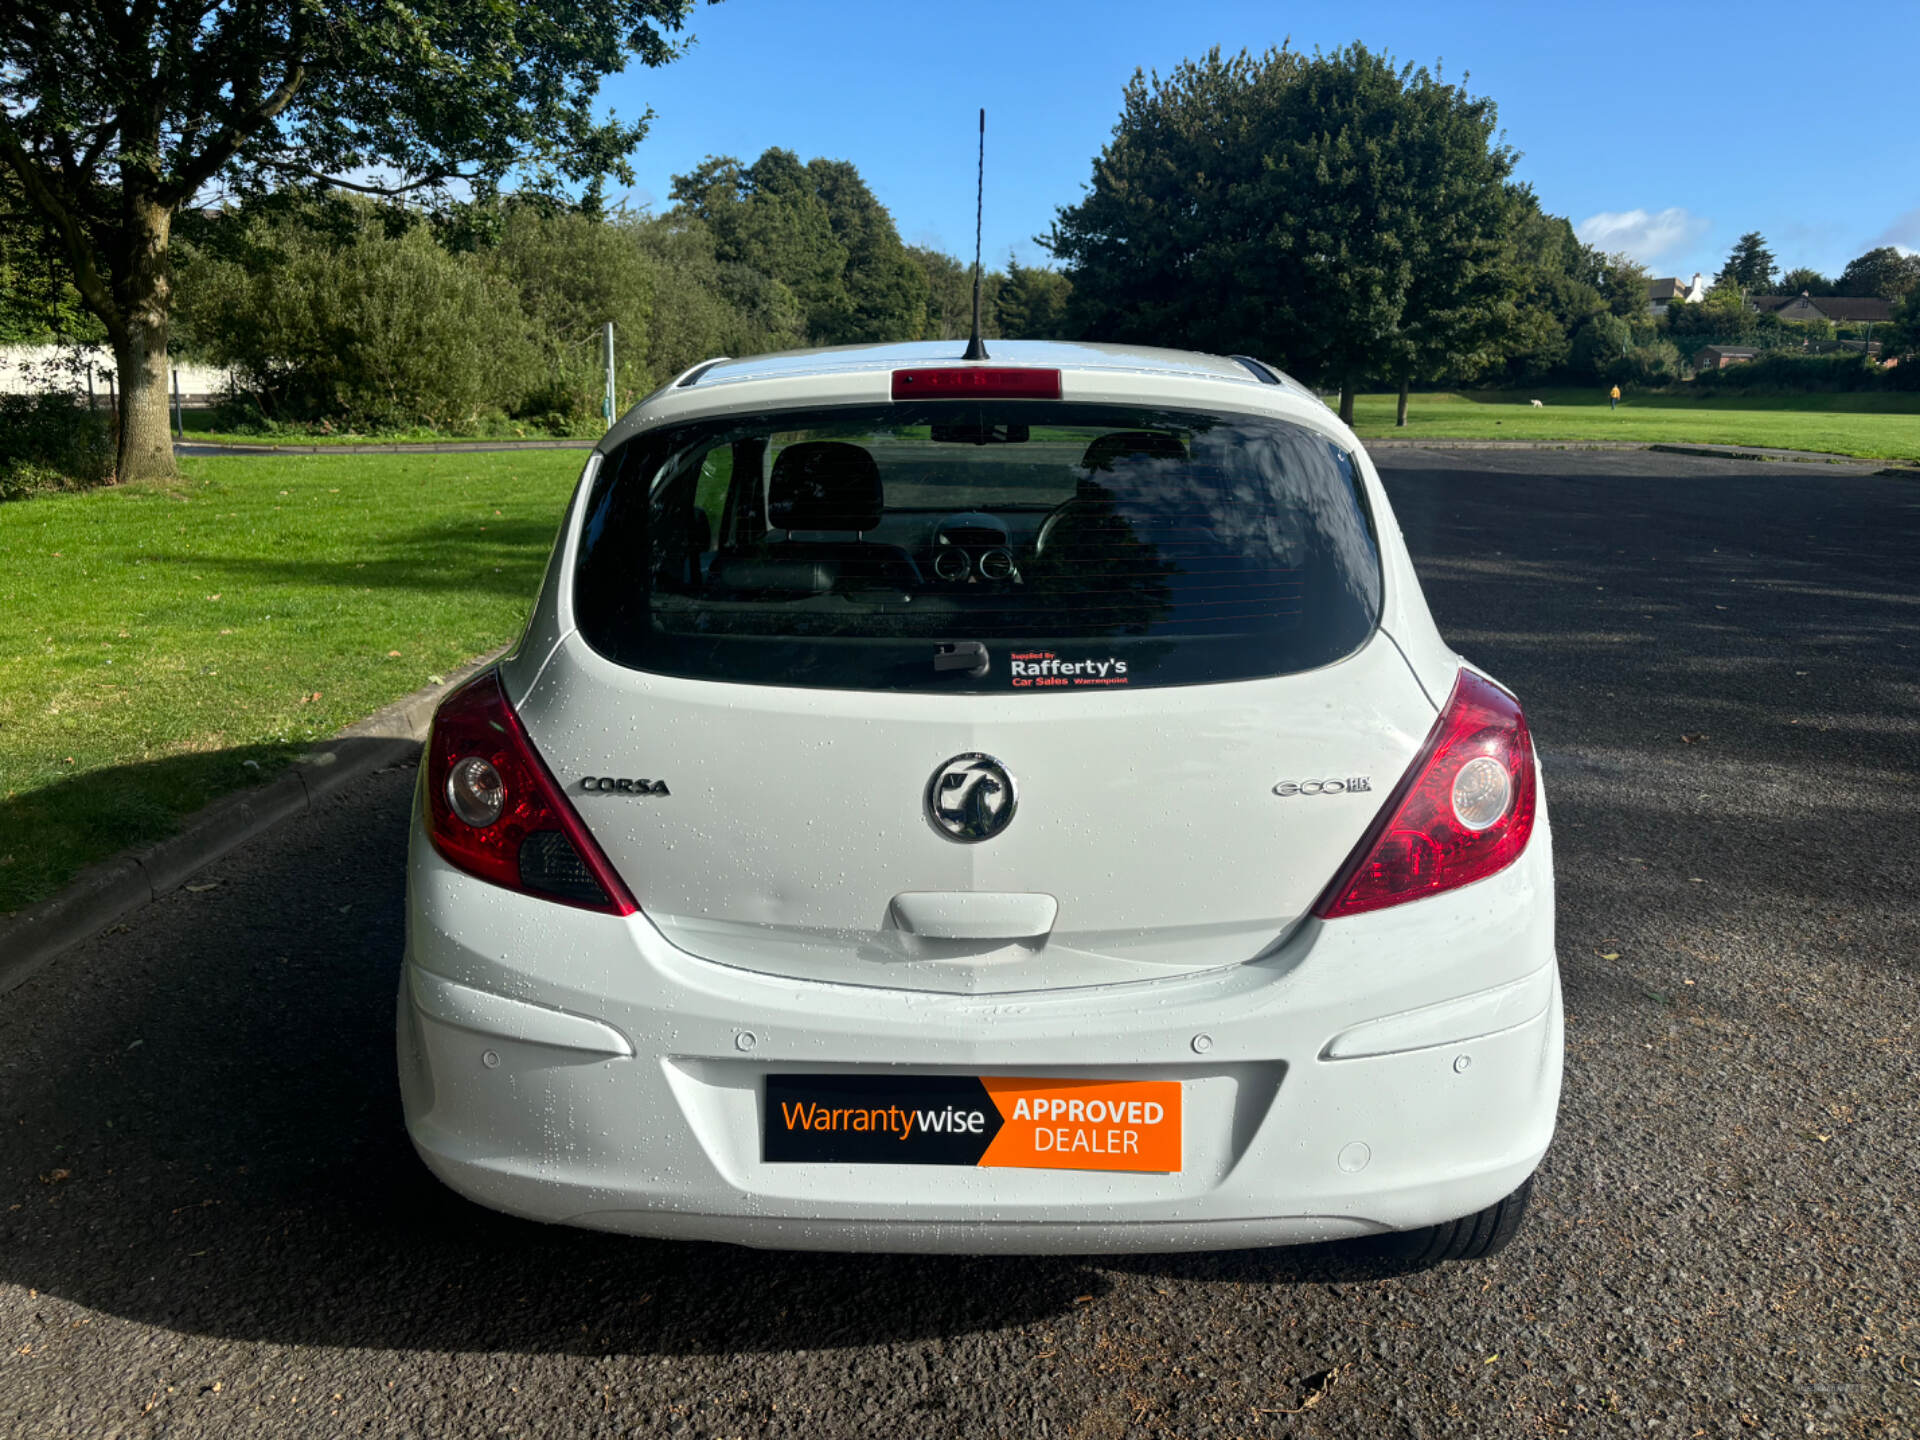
(1665, 130)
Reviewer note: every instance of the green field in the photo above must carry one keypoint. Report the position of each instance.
(158, 640)
(1874, 425)
(201, 430)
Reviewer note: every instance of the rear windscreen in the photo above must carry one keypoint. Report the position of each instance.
(976, 547)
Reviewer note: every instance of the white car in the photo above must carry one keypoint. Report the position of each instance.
(1020, 805)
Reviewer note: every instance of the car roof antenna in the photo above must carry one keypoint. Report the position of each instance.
(976, 348)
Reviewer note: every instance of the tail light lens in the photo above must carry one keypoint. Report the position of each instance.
(1463, 811)
(494, 811)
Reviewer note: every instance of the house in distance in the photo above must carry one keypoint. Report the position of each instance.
(1840, 309)
(1662, 293)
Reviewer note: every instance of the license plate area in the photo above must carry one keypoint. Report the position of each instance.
(985, 1121)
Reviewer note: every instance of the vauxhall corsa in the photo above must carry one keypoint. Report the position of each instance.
(1018, 804)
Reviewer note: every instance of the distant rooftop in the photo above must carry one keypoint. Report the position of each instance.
(1834, 307)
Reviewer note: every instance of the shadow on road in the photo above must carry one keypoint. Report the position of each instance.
(48, 832)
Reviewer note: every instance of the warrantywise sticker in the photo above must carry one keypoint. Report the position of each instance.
(993, 1120)
(1046, 670)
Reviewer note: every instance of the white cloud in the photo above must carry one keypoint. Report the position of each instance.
(1903, 234)
(1644, 235)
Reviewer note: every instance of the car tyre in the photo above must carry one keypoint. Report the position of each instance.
(1472, 1237)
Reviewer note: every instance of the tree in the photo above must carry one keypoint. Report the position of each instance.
(1600, 346)
(1884, 272)
(766, 217)
(886, 292)
(1750, 265)
(818, 230)
(1031, 302)
(1901, 337)
(1335, 212)
(1460, 301)
(38, 304)
(703, 307)
(1804, 281)
(1725, 314)
(114, 115)
(1560, 288)
(1624, 282)
(1560, 280)
(949, 296)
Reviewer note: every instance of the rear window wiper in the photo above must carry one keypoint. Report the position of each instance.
(968, 655)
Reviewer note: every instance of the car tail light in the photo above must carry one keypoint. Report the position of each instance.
(494, 811)
(1463, 811)
(976, 382)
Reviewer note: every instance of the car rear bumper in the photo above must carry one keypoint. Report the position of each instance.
(1380, 1072)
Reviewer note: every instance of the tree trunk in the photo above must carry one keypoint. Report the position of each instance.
(1346, 400)
(146, 429)
(140, 349)
(1400, 415)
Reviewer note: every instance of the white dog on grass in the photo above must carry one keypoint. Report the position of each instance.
(1538, 404)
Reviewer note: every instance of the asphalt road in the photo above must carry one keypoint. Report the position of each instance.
(210, 1222)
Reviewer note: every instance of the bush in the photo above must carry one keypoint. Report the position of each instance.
(1723, 318)
(238, 415)
(1785, 371)
(574, 274)
(383, 332)
(1657, 363)
(51, 442)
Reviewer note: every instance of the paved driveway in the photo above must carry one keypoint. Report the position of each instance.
(211, 1223)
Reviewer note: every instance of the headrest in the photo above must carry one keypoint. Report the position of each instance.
(824, 485)
(1102, 453)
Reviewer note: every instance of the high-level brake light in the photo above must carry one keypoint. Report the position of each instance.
(976, 382)
(1463, 811)
(494, 811)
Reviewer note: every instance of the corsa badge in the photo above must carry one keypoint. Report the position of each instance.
(610, 785)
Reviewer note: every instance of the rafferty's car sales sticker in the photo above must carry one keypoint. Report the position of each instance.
(991, 1120)
(1045, 670)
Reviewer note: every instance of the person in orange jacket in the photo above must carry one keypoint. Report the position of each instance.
(1613, 398)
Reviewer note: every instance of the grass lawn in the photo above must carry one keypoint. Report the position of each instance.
(158, 640)
(1877, 425)
(201, 431)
